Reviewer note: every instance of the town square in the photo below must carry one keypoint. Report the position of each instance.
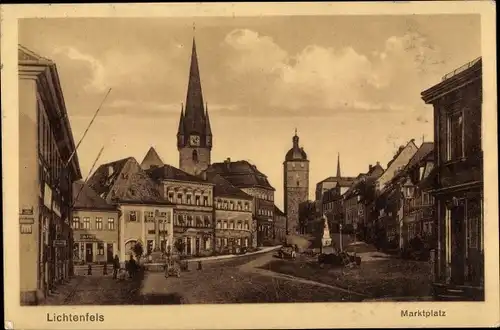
(238, 160)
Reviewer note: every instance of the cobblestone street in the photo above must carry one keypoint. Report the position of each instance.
(236, 280)
(95, 290)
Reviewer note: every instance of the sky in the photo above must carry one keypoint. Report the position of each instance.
(350, 84)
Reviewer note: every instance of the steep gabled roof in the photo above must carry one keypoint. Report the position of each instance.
(125, 181)
(346, 181)
(151, 159)
(169, 172)
(86, 198)
(223, 188)
(425, 151)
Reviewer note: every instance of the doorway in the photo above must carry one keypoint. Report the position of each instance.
(89, 252)
(110, 251)
(458, 240)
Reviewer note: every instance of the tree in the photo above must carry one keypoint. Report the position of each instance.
(307, 215)
(180, 245)
(138, 250)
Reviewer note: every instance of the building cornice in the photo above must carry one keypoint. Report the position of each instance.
(453, 83)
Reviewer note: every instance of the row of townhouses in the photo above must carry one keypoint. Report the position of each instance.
(199, 208)
(432, 191)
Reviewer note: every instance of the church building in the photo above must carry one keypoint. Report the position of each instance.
(194, 135)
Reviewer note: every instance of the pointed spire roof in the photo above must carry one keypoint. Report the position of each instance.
(338, 166)
(208, 129)
(194, 113)
(180, 130)
(152, 159)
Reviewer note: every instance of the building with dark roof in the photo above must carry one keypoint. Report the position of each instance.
(342, 182)
(358, 200)
(95, 226)
(194, 216)
(456, 183)
(48, 163)
(396, 164)
(295, 183)
(414, 204)
(146, 217)
(245, 176)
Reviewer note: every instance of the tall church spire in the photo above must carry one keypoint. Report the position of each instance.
(338, 165)
(194, 112)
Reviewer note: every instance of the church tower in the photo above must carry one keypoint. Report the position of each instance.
(194, 135)
(296, 183)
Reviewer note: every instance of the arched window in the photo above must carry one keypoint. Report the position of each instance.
(195, 156)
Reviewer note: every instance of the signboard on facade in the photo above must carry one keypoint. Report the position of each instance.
(87, 237)
(47, 196)
(26, 229)
(59, 243)
(27, 211)
(26, 220)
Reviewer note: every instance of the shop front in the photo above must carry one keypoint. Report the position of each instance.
(89, 248)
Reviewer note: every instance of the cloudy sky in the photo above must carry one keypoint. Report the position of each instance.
(349, 84)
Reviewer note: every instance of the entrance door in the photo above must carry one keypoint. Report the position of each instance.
(458, 235)
(89, 252)
(109, 255)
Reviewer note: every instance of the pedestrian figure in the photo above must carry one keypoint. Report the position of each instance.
(105, 269)
(132, 266)
(89, 269)
(199, 265)
(116, 266)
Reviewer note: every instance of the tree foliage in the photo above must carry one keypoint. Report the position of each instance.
(138, 249)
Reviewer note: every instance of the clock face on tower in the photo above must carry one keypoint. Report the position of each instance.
(194, 140)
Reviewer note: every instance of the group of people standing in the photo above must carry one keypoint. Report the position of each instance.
(131, 267)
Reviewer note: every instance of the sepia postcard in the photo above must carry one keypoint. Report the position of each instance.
(250, 165)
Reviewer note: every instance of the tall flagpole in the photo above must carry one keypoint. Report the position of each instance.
(88, 127)
(88, 175)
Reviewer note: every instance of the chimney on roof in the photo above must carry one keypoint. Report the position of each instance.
(378, 163)
(228, 160)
